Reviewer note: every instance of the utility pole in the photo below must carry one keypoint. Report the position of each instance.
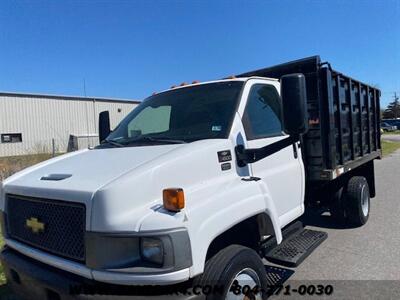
(396, 106)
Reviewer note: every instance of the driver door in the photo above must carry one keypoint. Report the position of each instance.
(282, 172)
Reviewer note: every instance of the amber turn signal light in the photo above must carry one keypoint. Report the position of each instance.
(173, 199)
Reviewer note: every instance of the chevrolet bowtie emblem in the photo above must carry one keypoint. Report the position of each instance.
(35, 225)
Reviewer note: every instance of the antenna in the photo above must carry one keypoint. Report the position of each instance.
(87, 113)
(84, 86)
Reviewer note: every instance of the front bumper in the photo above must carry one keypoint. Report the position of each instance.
(31, 279)
(115, 258)
(113, 277)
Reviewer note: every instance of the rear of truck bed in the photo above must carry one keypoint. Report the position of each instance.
(344, 118)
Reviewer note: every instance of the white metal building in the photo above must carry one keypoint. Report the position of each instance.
(31, 123)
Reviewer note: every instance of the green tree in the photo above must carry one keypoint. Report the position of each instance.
(393, 110)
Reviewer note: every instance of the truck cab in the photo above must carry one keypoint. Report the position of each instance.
(184, 190)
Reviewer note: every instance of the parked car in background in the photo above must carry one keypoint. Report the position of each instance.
(387, 127)
(393, 122)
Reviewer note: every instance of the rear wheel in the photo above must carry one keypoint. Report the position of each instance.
(357, 201)
(239, 271)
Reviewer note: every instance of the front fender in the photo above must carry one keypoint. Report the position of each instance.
(213, 215)
(271, 212)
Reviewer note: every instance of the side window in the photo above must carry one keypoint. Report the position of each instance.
(150, 120)
(262, 116)
(11, 138)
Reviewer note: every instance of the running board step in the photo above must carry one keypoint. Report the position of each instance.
(276, 277)
(298, 244)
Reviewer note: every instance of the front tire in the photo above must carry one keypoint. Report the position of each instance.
(233, 268)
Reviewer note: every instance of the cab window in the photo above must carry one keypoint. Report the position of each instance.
(263, 116)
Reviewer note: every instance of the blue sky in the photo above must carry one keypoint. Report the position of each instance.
(129, 49)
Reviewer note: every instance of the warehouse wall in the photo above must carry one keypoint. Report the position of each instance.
(40, 119)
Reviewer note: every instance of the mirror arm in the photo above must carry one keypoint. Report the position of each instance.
(248, 156)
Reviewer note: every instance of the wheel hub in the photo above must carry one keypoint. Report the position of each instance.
(364, 201)
(245, 280)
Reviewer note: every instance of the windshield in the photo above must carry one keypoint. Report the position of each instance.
(181, 115)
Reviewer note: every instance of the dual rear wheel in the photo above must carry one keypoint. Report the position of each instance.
(351, 203)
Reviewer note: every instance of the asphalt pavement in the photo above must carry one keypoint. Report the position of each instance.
(360, 262)
(391, 137)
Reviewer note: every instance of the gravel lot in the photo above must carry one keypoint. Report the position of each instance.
(361, 262)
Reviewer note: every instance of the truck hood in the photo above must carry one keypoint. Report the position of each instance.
(85, 172)
(120, 187)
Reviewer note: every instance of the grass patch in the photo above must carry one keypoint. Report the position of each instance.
(12, 164)
(391, 132)
(389, 147)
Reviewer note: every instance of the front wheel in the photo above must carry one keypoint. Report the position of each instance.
(239, 272)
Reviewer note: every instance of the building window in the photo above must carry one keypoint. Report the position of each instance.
(11, 138)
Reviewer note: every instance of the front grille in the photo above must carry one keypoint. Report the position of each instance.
(64, 225)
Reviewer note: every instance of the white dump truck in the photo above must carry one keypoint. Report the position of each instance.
(195, 187)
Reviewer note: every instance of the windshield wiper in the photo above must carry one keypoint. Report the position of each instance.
(156, 139)
(112, 142)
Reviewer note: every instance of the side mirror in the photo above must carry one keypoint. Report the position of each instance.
(294, 102)
(104, 125)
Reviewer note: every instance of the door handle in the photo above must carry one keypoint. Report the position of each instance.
(295, 151)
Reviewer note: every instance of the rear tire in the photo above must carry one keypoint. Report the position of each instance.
(357, 201)
(234, 263)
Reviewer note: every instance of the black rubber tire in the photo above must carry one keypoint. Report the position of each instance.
(222, 268)
(354, 198)
(337, 207)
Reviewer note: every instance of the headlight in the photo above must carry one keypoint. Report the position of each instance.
(152, 250)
